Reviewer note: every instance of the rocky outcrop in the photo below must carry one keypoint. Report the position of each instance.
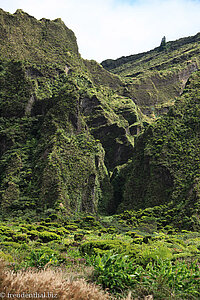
(105, 126)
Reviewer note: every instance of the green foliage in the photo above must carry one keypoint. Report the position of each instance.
(20, 237)
(13, 99)
(154, 79)
(46, 236)
(41, 257)
(41, 41)
(78, 237)
(117, 272)
(114, 271)
(43, 151)
(66, 122)
(160, 264)
(49, 157)
(89, 222)
(166, 163)
(71, 227)
(93, 247)
(67, 131)
(180, 278)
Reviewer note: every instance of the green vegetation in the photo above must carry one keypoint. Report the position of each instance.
(38, 137)
(165, 168)
(160, 278)
(78, 143)
(25, 38)
(154, 79)
(123, 257)
(64, 121)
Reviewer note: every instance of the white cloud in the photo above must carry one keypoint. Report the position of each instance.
(112, 28)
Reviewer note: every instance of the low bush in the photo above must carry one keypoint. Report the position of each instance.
(115, 272)
(78, 237)
(53, 217)
(89, 222)
(93, 247)
(52, 224)
(4, 230)
(137, 260)
(46, 236)
(20, 237)
(41, 257)
(41, 228)
(11, 245)
(71, 227)
(61, 231)
(33, 234)
(27, 227)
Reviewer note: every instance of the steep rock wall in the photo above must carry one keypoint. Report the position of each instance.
(165, 165)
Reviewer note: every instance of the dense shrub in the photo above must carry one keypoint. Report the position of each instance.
(93, 247)
(46, 236)
(89, 222)
(41, 257)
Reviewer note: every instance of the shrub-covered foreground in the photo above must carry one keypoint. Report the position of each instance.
(111, 252)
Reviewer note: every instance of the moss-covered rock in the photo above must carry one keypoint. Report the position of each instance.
(54, 107)
(165, 167)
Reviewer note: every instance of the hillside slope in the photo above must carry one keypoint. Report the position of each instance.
(72, 134)
(154, 79)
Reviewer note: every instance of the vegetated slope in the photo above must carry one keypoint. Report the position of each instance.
(155, 78)
(166, 162)
(64, 121)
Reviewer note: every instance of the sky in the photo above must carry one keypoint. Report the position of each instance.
(114, 28)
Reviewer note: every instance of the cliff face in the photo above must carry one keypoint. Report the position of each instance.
(64, 121)
(166, 161)
(48, 155)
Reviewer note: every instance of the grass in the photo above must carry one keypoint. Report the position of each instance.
(49, 283)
